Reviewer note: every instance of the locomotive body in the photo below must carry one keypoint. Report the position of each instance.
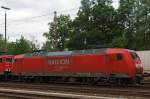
(81, 65)
(6, 62)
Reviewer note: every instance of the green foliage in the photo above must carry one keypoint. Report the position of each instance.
(20, 46)
(99, 24)
(47, 46)
(59, 32)
(94, 25)
(2, 44)
(118, 42)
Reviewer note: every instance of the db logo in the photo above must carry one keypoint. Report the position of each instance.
(58, 61)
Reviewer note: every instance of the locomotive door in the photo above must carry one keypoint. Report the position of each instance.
(18, 65)
(111, 63)
(8, 64)
(1, 65)
(119, 63)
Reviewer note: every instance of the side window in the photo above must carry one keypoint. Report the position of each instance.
(1, 60)
(135, 56)
(119, 57)
(9, 60)
(18, 61)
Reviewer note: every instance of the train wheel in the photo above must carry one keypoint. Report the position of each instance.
(119, 82)
(72, 80)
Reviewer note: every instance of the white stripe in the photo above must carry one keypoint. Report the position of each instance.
(57, 94)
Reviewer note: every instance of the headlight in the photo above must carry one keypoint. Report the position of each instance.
(139, 65)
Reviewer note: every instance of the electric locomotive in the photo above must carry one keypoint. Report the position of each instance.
(108, 65)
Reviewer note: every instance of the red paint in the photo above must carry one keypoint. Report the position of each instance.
(5, 66)
(79, 63)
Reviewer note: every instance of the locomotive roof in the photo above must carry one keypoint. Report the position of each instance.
(61, 53)
(75, 52)
(91, 51)
(19, 56)
(118, 50)
(6, 56)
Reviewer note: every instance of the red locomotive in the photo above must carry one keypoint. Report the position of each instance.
(5, 64)
(83, 66)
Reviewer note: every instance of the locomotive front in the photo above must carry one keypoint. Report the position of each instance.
(138, 66)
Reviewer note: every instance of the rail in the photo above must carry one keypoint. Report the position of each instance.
(135, 91)
(28, 94)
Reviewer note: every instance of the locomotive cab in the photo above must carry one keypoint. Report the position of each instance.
(138, 65)
(125, 64)
(6, 63)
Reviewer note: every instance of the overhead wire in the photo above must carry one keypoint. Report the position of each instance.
(12, 23)
(36, 17)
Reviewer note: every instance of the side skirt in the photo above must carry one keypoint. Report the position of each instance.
(81, 78)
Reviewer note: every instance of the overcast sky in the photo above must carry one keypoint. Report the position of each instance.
(30, 18)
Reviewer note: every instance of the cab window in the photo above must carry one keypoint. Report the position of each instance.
(1, 60)
(119, 57)
(18, 60)
(9, 60)
(135, 56)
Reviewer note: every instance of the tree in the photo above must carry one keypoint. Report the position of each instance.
(134, 19)
(2, 44)
(103, 23)
(98, 24)
(94, 25)
(80, 26)
(118, 42)
(21, 46)
(143, 25)
(47, 46)
(58, 34)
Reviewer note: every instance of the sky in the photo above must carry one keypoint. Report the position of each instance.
(30, 18)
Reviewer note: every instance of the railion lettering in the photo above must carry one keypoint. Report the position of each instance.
(58, 61)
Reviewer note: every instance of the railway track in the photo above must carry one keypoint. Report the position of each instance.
(28, 94)
(15, 94)
(136, 91)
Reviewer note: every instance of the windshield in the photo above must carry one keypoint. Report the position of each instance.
(134, 56)
(9, 60)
